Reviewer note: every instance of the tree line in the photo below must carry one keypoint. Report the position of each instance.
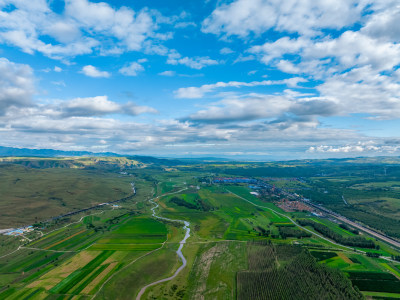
(352, 241)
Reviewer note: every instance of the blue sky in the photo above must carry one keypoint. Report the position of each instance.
(260, 79)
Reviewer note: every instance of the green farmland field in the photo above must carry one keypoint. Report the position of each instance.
(241, 246)
(138, 233)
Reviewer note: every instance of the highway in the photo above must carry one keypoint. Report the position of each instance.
(371, 232)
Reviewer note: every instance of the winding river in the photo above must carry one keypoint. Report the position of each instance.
(186, 227)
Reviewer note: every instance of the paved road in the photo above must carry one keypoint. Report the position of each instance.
(378, 235)
(369, 231)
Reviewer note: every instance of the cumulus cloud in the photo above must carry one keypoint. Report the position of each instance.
(83, 27)
(306, 17)
(362, 90)
(91, 106)
(288, 67)
(198, 63)
(383, 25)
(275, 108)
(98, 106)
(236, 109)
(348, 52)
(16, 85)
(92, 71)
(132, 69)
(360, 147)
(357, 70)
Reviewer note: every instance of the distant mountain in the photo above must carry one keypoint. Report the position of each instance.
(205, 159)
(49, 158)
(155, 160)
(22, 152)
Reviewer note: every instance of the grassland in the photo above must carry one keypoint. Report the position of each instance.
(32, 195)
(111, 253)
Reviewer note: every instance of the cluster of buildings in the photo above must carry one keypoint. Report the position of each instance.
(19, 231)
(234, 180)
(288, 201)
(290, 206)
(293, 179)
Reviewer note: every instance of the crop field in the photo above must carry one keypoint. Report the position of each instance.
(240, 246)
(375, 282)
(159, 264)
(81, 272)
(137, 234)
(323, 255)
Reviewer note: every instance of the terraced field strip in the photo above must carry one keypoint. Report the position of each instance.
(90, 277)
(73, 279)
(380, 295)
(394, 272)
(57, 274)
(99, 278)
(125, 247)
(375, 281)
(59, 242)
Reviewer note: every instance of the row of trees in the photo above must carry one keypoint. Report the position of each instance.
(352, 241)
(286, 231)
(352, 230)
(200, 203)
(298, 276)
(384, 223)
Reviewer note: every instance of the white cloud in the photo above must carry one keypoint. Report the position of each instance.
(167, 73)
(133, 109)
(362, 90)
(284, 45)
(131, 69)
(59, 83)
(288, 67)
(185, 24)
(306, 17)
(278, 109)
(16, 85)
(82, 28)
(174, 58)
(92, 71)
(198, 92)
(244, 58)
(325, 58)
(237, 109)
(226, 50)
(383, 25)
(57, 69)
(91, 106)
(360, 147)
(355, 49)
(98, 106)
